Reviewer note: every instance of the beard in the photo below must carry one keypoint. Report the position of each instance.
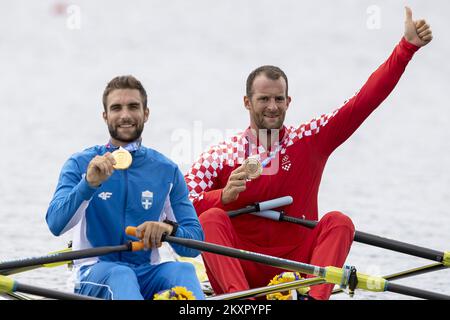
(263, 123)
(136, 134)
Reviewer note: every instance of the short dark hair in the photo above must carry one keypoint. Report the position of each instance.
(271, 72)
(125, 82)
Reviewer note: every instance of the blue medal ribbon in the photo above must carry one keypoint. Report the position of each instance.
(133, 146)
(272, 155)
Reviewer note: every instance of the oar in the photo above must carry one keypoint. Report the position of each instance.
(14, 296)
(416, 271)
(6, 266)
(407, 273)
(264, 205)
(12, 271)
(367, 238)
(330, 274)
(262, 291)
(9, 285)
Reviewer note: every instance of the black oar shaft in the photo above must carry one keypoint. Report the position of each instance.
(247, 255)
(8, 272)
(399, 246)
(306, 223)
(238, 212)
(65, 256)
(380, 242)
(418, 293)
(48, 293)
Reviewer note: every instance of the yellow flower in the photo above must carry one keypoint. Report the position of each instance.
(283, 278)
(176, 293)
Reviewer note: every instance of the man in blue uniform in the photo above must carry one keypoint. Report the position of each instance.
(99, 194)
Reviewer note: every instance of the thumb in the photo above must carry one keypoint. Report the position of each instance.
(408, 13)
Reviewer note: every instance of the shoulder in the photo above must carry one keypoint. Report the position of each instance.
(87, 153)
(82, 158)
(228, 151)
(310, 128)
(158, 158)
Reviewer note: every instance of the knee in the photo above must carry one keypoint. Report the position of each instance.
(186, 268)
(179, 270)
(213, 216)
(123, 273)
(338, 219)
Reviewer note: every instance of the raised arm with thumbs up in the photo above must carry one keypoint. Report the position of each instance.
(417, 32)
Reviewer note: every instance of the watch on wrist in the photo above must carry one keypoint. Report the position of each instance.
(174, 226)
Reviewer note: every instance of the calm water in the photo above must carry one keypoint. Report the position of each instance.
(391, 177)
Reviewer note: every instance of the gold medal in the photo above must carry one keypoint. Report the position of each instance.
(123, 159)
(253, 168)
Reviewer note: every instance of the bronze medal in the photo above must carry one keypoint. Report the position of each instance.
(123, 159)
(253, 168)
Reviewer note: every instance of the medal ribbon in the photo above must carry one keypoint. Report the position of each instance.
(272, 155)
(133, 146)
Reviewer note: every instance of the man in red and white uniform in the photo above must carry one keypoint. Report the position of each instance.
(296, 158)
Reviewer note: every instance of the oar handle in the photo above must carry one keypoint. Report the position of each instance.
(131, 231)
(275, 203)
(135, 245)
(264, 205)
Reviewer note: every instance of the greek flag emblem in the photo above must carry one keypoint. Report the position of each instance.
(147, 199)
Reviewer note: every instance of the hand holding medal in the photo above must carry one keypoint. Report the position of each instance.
(249, 170)
(253, 168)
(123, 159)
(102, 167)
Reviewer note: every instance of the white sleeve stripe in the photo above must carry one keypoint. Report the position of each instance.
(79, 214)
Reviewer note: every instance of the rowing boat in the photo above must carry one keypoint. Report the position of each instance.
(346, 278)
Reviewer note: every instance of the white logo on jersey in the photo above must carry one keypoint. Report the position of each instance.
(286, 163)
(105, 195)
(147, 199)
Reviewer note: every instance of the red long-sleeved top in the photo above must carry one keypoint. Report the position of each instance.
(297, 169)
